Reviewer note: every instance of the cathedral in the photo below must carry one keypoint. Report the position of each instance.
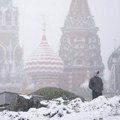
(79, 54)
(11, 52)
(80, 46)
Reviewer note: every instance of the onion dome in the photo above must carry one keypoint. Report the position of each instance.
(114, 58)
(44, 61)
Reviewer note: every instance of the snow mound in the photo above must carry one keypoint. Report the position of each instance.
(101, 108)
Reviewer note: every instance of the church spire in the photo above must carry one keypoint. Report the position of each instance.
(79, 8)
(44, 41)
(44, 24)
(79, 16)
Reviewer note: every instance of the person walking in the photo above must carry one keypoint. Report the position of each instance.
(96, 85)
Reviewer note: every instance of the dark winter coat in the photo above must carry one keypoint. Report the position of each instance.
(96, 84)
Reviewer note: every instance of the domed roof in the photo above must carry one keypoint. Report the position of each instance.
(44, 60)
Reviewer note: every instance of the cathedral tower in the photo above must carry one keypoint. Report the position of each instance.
(11, 52)
(80, 46)
(114, 67)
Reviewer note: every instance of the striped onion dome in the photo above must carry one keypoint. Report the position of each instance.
(44, 60)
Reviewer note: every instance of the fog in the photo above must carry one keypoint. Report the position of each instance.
(105, 12)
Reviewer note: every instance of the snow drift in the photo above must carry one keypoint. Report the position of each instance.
(101, 108)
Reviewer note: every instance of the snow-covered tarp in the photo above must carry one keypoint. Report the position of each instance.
(26, 96)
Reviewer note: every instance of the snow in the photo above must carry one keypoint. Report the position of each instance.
(26, 96)
(101, 108)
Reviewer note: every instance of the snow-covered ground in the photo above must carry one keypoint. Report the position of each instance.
(101, 108)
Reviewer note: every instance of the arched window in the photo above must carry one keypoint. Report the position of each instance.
(0, 18)
(79, 62)
(2, 53)
(15, 17)
(8, 17)
(18, 53)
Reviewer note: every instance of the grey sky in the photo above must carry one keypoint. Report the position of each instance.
(106, 15)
